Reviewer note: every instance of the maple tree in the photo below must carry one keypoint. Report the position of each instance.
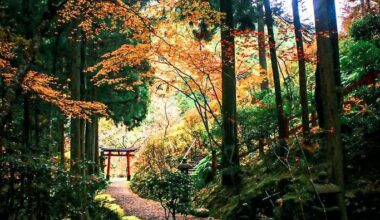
(210, 80)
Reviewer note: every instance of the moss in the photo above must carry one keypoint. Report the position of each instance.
(289, 190)
(104, 198)
(107, 202)
(130, 218)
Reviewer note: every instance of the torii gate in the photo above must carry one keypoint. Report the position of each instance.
(118, 152)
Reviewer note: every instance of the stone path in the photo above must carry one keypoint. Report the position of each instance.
(133, 204)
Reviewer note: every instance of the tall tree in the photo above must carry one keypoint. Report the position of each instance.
(75, 83)
(325, 25)
(28, 35)
(230, 150)
(261, 44)
(301, 67)
(283, 133)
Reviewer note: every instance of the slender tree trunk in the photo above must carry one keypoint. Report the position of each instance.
(37, 129)
(333, 31)
(62, 120)
(301, 68)
(214, 165)
(90, 137)
(362, 7)
(95, 133)
(61, 145)
(75, 132)
(28, 35)
(89, 145)
(83, 91)
(283, 133)
(230, 150)
(54, 73)
(78, 125)
(318, 98)
(368, 3)
(261, 147)
(261, 43)
(96, 144)
(26, 123)
(328, 69)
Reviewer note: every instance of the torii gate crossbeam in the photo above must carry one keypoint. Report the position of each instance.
(118, 152)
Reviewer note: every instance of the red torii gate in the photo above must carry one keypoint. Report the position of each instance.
(118, 152)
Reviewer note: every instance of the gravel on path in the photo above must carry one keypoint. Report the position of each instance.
(134, 205)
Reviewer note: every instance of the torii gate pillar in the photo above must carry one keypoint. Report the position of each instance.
(128, 166)
(118, 152)
(108, 165)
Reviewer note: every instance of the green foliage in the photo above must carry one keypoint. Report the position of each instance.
(184, 103)
(274, 194)
(245, 14)
(361, 128)
(202, 174)
(109, 210)
(357, 59)
(367, 28)
(257, 121)
(37, 186)
(118, 101)
(171, 189)
(136, 98)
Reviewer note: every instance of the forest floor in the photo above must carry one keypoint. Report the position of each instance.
(134, 205)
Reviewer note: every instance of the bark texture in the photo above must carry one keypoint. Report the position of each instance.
(328, 72)
(283, 133)
(230, 150)
(301, 67)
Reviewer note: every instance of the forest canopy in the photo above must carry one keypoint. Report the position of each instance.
(246, 109)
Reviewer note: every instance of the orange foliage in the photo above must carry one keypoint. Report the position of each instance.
(42, 85)
(6, 54)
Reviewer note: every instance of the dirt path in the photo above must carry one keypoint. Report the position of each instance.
(134, 205)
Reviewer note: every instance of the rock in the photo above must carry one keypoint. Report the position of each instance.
(201, 212)
(185, 166)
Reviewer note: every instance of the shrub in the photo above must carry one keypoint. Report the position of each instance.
(202, 173)
(172, 190)
(36, 186)
(367, 28)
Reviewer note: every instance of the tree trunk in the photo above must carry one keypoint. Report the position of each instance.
(95, 121)
(61, 145)
(214, 165)
(26, 123)
(368, 6)
(96, 144)
(54, 71)
(362, 7)
(283, 133)
(318, 98)
(333, 31)
(90, 139)
(37, 129)
(328, 69)
(28, 35)
(83, 94)
(301, 68)
(75, 132)
(261, 43)
(230, 150)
